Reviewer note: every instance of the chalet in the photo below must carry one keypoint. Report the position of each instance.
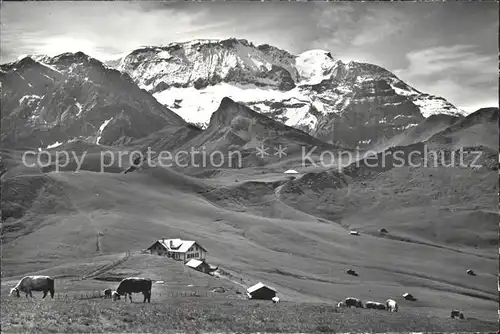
(177, 249)
(261, 291)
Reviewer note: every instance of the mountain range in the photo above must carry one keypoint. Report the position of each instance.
(353, 103)
(49, 100)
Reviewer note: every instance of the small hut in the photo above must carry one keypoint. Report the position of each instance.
(409, 296)
(261, 291)
(470, 272)
(199, 266)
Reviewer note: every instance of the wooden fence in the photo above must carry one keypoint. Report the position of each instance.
(89, 295)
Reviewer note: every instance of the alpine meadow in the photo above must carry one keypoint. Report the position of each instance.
(231, 166)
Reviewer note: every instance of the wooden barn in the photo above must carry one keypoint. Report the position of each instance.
(201, 266)
(261, 291)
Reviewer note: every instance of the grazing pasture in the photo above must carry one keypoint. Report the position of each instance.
(198, 314)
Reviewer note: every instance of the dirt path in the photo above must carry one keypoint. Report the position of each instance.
(107, 267)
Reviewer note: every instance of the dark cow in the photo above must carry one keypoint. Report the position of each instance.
(135, 285)
(28, 284)
(107, 294)
(353, 302)
(457, 313)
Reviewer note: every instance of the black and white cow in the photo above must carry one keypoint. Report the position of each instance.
(353, 302)
(375, 305)
(457, 314)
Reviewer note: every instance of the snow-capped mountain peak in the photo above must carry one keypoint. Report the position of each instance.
(312, 91)
(314, 66)
(201, 63)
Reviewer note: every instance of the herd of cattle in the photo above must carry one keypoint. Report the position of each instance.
(131, 285)
(390, 304)
(127, 286)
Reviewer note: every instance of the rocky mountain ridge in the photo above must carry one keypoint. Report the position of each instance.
(48, 101)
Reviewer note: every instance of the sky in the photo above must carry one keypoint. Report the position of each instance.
(449, 49)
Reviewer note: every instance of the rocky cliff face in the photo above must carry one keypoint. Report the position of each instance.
(352, 103)
(49, 101)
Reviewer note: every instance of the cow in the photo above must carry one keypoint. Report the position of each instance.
(275, 300)
(457, 313)
(374, 305)
(353, 302)
(28, 284)
(391, 305)
(135, 285)
(107, 293)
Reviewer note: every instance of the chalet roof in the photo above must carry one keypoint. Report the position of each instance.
(177, 245)
(259, 286)
(291, 171)
(193, 263)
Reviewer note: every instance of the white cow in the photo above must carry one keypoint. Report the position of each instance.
(28, 284)
(391, 305)
(275, 300)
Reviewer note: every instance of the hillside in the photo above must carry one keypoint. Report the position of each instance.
(420, 133)
(237, 131)
(73, 96)
(272, 237)
(477, 129)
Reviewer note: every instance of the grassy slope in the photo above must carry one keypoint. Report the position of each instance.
(267, 240)
(200, 315)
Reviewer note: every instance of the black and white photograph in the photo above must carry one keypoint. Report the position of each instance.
(249, 166)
